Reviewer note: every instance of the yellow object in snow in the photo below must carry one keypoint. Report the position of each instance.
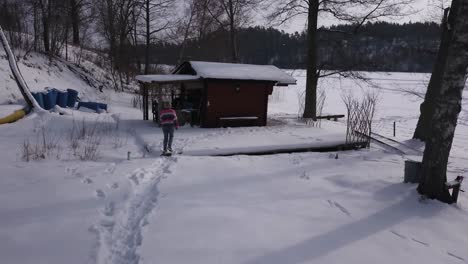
(17, 115)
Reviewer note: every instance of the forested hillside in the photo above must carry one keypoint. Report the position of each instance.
(376, 47)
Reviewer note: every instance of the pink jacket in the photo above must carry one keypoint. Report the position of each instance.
(167, 117)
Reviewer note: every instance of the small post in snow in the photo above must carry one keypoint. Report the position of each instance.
(394, 128)
(128, 155)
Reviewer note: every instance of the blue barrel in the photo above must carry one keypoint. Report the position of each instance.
(50, 99)
(39, 97)
(72, 96)
(62, 98)
(102, 106)
(93, 105)
(89, 105)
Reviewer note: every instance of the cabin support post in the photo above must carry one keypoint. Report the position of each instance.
(145, 95)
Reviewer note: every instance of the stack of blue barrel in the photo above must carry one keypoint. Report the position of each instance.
(51, 97)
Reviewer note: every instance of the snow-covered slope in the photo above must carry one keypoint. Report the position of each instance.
(40, 72)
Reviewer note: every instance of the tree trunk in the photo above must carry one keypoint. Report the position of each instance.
(233, 42)
(310, 107)
(232, 33)
(45, 26)
(66, 41)
(36, 27)
(148, 37)
(447, 107)
(75, 20)
(424, 123)
(136, 48)
(186, 34)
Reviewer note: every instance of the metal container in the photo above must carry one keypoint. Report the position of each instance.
(412, 171)
(50, 99)
(72, 96)
(62, 98)
(39, 97)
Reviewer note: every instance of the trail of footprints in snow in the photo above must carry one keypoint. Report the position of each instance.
(74, 173)
(425, 244)
(120, 237)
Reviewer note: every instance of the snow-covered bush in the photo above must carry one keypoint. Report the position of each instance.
(83, 141)
(45, 145)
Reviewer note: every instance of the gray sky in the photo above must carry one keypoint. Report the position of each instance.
(425, 12)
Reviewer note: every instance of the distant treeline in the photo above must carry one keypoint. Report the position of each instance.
(377, 46)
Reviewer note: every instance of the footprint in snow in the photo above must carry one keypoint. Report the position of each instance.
(111, 169)
(115, 185)
(72, 171)
(109, 209)
(296, 160)
(305, 176)
(107, 223)
(100, 193)
(87, 181)
(166, 170)
(134, 179)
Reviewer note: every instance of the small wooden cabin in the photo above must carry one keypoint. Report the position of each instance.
(216, 94)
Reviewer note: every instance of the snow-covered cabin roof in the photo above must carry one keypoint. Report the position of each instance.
(237, 71)
(197, 70)
(166, 78)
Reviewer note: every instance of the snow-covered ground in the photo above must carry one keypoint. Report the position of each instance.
(286, 208)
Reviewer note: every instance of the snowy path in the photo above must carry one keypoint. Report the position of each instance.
(119, 234)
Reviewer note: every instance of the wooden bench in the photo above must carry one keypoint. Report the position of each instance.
(329, 117)
(455, 185)
(237, 120)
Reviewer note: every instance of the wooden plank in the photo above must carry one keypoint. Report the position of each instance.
(330, 117)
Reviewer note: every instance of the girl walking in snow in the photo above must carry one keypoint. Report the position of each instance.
(168, 121)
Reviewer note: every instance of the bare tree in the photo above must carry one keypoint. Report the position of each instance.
(157, 18)
(186, 27)
(77, 9)
(447, 105)
(14, 19)
(115, 24)
(50, 22)
(196, 22)
(45, 7)
(231, 15)
(356, 12)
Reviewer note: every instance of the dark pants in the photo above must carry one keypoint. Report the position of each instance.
(168, 131)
